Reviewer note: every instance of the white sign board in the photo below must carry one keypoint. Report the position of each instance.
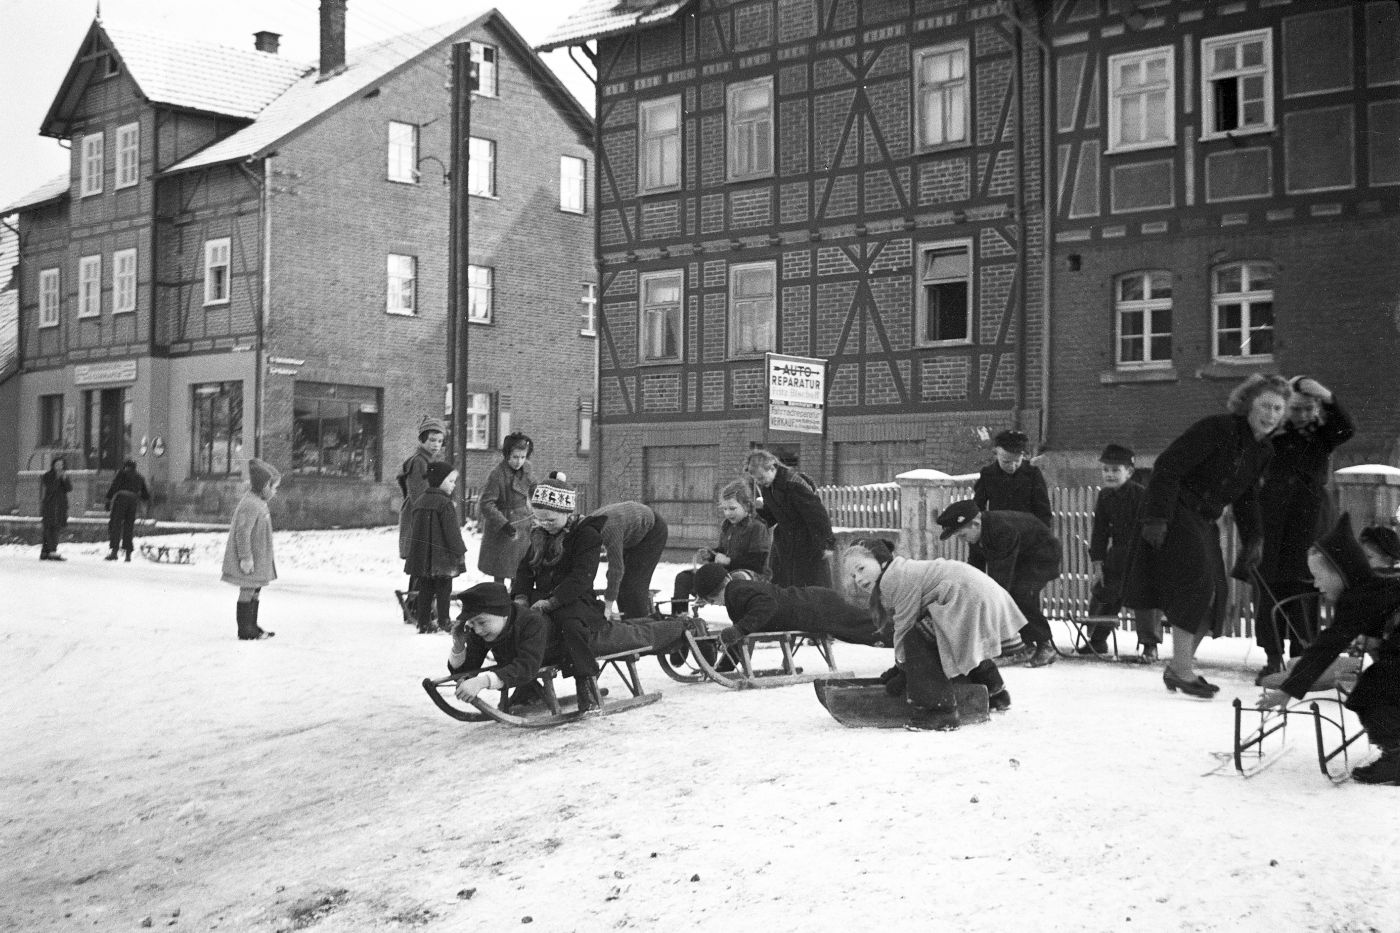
(796, 393)
(88, 374)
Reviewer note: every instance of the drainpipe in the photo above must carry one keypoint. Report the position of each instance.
(265, 300)
(1018, 74)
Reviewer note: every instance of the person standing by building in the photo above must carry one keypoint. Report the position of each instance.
(504, 507)
(1113, 541)
(634, 537)
(413, 480)
(803, 543)
(54, 487)
(1011, 483)
(1296, 511)
(436, 551)
(248, 557)
(126, 493)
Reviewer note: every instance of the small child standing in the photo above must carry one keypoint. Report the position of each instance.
(248, 561)
(744, 541)
(1111, 547)
(436, 551)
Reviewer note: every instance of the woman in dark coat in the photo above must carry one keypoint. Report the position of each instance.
(436, 551)
(802, 539)
(124, 496)
(54, 487)
(1215, 463)
(1296, 511)
(413, 476)
(505, 510)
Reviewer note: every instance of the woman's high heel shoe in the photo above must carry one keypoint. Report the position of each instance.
(1195, 688)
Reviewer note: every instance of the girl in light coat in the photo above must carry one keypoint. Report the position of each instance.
(248, 562)
(948, 621)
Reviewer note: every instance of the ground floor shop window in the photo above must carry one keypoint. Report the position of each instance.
(216, 425)
(336, 430)
(106, 428)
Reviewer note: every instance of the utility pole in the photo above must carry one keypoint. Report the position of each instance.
(459, 258)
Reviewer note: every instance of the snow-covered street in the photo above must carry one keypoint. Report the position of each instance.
(151, 766)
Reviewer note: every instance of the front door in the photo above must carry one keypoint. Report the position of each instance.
(108, 434)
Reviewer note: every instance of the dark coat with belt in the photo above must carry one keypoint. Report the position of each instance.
(53, 501)
(755, 606)
(130, 482)
(801, 530)
(567, 579)
(435, 545)
(1293, 500)
(1021, 491)
(1016, 549)
(1368, 609)
(505, 519)
(519, 650)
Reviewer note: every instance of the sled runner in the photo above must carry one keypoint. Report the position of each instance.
(707, 654)
(442, 692)
(166, 553)
(1331, 733)
(1083, 635)
(861, 702)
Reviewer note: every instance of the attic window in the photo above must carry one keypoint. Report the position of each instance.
(111, 67)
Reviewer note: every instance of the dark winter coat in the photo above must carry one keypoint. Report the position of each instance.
(1017, 550)
(1369, 609)
(1215, 463)
(128, 482)
(801, 532)
(413, 479)
(746, 543)
(1022, 491)
(519, 650)
(1115, 531)
(561, 571)
(1293, 500)
(505, 518)
(435, 547)
(755, 606)
(250, 536)
(53, 498)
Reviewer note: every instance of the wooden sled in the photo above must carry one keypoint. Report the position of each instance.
(167, 553)
(442, 692)
(706, 652)
(861, 702)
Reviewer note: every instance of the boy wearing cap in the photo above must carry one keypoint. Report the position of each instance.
(1017, 550)
(515, 635)
(436, 551)
(1010, 483)
(1111, 543)
(248, 559)
(413, 479)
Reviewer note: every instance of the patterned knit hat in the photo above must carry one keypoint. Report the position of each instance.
(260, 473)
(554, 494)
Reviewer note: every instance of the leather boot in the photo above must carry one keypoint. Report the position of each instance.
(257, 629)
(112, 555)
(128, 555)
(586, 691)
(247, 630)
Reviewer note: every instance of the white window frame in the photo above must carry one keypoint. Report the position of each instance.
(90, 286)
(481, 167)
(403, 153)
(93, 165)
(476, 421)
(749, 135)
(1136, 98)
(487, 59)
(1249, 298)
(921, 303)
(1152, 308)
(659, 149)
(946, 99)
(124, 281)
(128, 154)
(481, 294)
(50, 298)
(573, 184)
(217, 255)
(401, 284)
(588, 326)
(1210, 75)
(752, 307)
(651, 344)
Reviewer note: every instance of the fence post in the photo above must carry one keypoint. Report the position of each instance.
(1370, 492)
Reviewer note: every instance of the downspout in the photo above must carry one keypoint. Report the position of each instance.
(1018, 74)
(265, 234)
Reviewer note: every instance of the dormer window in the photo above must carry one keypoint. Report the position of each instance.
(111, 66)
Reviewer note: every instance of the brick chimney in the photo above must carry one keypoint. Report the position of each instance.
(266, 41)
(332, 37)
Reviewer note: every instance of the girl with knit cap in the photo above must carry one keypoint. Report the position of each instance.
(436, 551)
(248, 562)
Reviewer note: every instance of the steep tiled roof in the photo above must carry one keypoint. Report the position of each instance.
(598, 18)
(51, 190)
(200, 76)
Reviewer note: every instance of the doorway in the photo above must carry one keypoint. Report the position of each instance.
(107, 428)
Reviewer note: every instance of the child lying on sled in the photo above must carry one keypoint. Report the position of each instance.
(515, 635)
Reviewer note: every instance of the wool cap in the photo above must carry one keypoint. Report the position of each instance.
(260, 473)
(554, 494)
(1117, 454)
(437, 472)
(1341, 549)
(429, 424)
(707, 580)
(487, 598)
(1382, 539)
(956, 516)
(1013, 442)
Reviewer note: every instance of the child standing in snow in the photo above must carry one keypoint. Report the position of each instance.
(744, 541)
(436, 551)
(1111, 545)
(248, 562)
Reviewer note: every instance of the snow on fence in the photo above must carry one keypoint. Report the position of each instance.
(873, 506)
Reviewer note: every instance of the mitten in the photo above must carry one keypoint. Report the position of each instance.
(730, 636)
(509, 530)
(895, 685)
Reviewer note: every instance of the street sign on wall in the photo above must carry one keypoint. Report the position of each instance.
(796, 393)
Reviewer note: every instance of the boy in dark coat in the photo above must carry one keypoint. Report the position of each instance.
(1367, 605)
(1011, 483)
(515, 635)
(54, 487)
(127, 491)
(436, 551)
(803, 542)
(635, 536)
(1111, 547)
(754, 606)
(1017, 550)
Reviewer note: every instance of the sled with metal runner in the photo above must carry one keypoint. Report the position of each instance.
(862, 702)
(707, 653)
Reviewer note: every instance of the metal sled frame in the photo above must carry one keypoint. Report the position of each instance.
(1251, 757)
(705, 653)
(1083, 634)
(442, 692)
(166, 553)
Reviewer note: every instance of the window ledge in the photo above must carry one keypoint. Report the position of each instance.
(216, 302)
(1233, 135)
(481, 320)
(484, 197)
(1140, 147)
(942, 148)
(588, 333)
(1236, 369)
(1132, 376)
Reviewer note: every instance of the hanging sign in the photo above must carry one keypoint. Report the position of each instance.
(796, 393)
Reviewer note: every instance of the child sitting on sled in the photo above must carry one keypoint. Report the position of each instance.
(947, 620)
(744, 541)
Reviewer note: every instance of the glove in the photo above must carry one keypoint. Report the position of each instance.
(509, 531)
(1154, 533)
(469, 688)
(541, 605)
(896, 684)
(1249, 560)
(730, 636)
(889, 675)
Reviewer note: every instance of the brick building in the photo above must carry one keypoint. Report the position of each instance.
(854, 181)
(1228, 202)
(249, 256)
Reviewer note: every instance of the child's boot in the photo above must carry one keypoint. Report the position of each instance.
(933, 719)
(1384, 770)
(247, 629)
(128, 555)
(258, 629)
(586, 691)
(112, 555)
(1273, 664)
